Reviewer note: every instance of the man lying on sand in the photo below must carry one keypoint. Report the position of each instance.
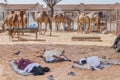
(26, 67)
(51, 56)
(94, 63)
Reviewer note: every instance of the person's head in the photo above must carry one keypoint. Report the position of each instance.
(83, 61)
(46, 69)
(37, 71)
(40, 70)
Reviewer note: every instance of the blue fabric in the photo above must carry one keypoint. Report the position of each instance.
(55, 60)
(32, 25)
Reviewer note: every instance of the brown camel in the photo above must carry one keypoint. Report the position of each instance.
(9, 20)
(23, 19)
(64, 20)
(83, 19)
(15, 20)
(94, 20)
(88, 19)
(42, 17)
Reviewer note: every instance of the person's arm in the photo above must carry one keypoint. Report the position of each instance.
(95, 68)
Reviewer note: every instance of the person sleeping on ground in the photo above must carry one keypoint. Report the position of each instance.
(51, 56)
(27, 67)
(116, 44)
(94, 63)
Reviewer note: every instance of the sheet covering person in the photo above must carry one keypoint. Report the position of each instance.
(26, 67)
(92, 62)
(54, 56)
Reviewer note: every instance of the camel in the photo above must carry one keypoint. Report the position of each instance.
(15, 20)
(94, 20)
(9, 20)
(42, 17)
(23, 19)
(83, 19)
(64, 20)
(88, 19)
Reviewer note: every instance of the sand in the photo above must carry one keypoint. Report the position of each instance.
(61, 41)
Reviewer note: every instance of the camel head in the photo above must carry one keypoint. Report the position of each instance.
(12, 12)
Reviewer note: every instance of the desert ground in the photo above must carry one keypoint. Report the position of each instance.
(74, 50)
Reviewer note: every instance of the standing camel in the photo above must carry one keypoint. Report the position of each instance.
(90, 20)
(64, 20)
(94, 20)
(15, 20)
(83, 19)
(23, 19)
(42, 17)
(9, 20)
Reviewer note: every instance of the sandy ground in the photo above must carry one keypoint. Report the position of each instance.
(60, 40)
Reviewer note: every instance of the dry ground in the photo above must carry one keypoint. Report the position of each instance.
(60, 40)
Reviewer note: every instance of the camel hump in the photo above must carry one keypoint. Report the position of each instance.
(92, 15)
(82, 15)
(22, 13)
(12, 12)
(15, 17)
(42, 14)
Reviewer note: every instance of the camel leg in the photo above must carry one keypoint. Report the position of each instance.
(69, 26)
(72, 24)
(98, 24)
(57, 24)
(64, 25)
(40, 28)
(88, 27)
(45, 28)
(3, 25)
(81, 27)
(78, 29)
(50, 26)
